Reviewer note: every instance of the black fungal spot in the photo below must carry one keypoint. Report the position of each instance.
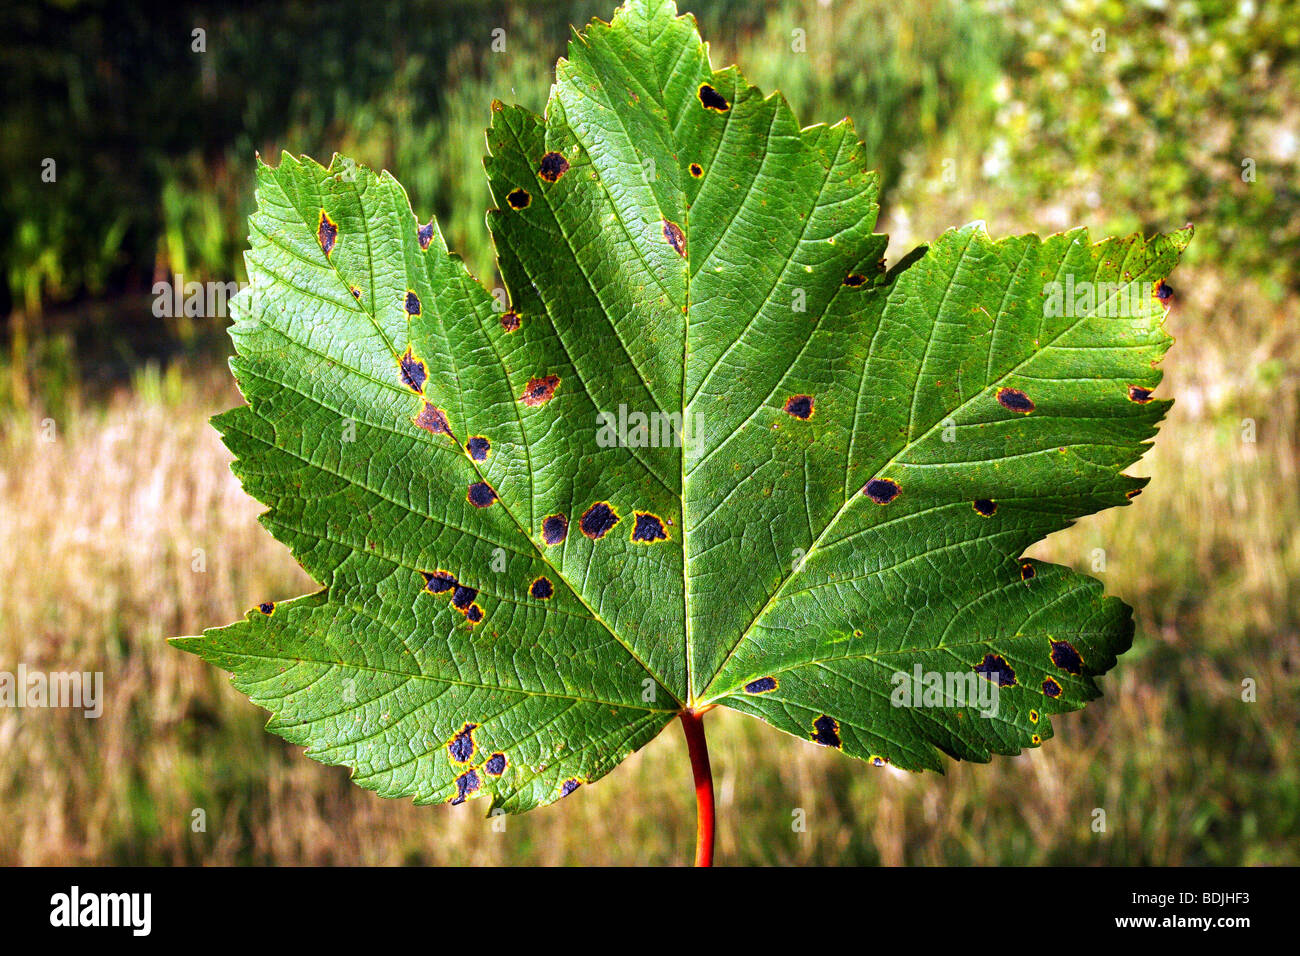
(496, 764)
(1033, 716)
(984, 507)
(855, 279)
(676, 238)
(552, 167)
(510, 321)
(569, 786)
(519, 199)
(267, 608)
(800, 406)
(474, 613)
(712, 99)
(424, 234)
(356, 293)
(466, 784)
(1013, 399)
(995, 668)
(481, 495)
(433, 420)
(461, 747)
(463, 596)
(412, 304)
(1164, 291)
(881, 490)
(597, 520)
(878, 761)
(1051, 688)
(541, 588)
(326, 233)
(1027, 570)
(478, 448)
(648, 528)
(1036, 739)
(438, 582)
(539, 391)
(412, 371)
(697, 170)
(1136, 393)
(826, 731)
(1066, 657)
(555, 528)
(763, 685)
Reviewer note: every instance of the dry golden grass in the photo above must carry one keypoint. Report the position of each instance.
(101, 529)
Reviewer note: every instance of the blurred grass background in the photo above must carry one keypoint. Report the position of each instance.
(120, 523)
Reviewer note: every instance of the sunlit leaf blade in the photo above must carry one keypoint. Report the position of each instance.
(526, 573)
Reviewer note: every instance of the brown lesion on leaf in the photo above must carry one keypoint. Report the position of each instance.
(882, 490)
(356, 293)
(461, 747)
(1066, 657)
(555, 528)
(267, 608)
(1132, 493)
(481, 494)
(648, 528)
(995, 668)
(519, 198)
(1051, 688)
(466, 784)
(598, 520)
(855, 280)
(697, 170)
(439, 581)
(762, 685)
(985, 507)
(412, 371)
(411, 304)
(1164, 291)
(1036, 739)
(711, 99)
(432, 420)
(552, 167)
(541, 589)
(1015, 400)
(1033, 716)
(478, 448)
(1027, 570)
(676, 238)
(327, 232)
(826, 731)
(800, 406)
(424, 235)
(510, 321)
(1136, 393)
(539, 391)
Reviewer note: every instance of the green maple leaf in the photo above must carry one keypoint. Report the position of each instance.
(513, 602)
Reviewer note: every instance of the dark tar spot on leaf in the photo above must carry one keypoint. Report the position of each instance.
(541, 588)
(412, 371)
(412, 304)
(995, 668)
(496, 764)
(648, 528)
(985, 507)
(855, 279)
(569, 786)
(555, 528)
(1136, 393)
(697, 170)
(478, 447)
(356, 293)
(519, 199)
(1015, 400)
(424, 234)
(882, 490)
(466, 784)
(474, 614)
(826, 731)
(597, 520)
(461, 747)
(1033, 716)
(676, 238)
(326, 232)
(1066, 657)
(267, 608)
(539, 391)
(1027, 570)
(481, 495)
(878, 761)
(510, 321)
(438, 582)
(1036, 739)
(763, 685)
(1051, 688)
(552, 167)
(433, 420)
(800, 406)
(1164, 291)
(712, 99)
(463, 596)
